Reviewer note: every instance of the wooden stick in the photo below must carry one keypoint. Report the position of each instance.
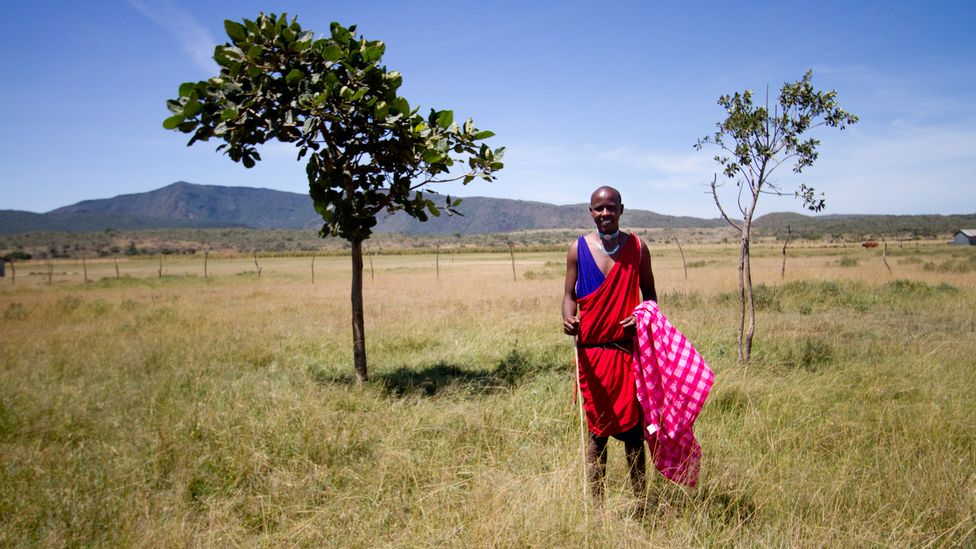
(160, 265)
(50, 271)
(116, 268)
(13, 272)
(579, 400)
(206, 259)
(437, 260)
(256, 266)
(84, 267)
(313, 268)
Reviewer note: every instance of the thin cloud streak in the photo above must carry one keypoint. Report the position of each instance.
(192, 37)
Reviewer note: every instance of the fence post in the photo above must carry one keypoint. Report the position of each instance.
(511, 252)
(683, 263)
(206, 259)
(84, 267)
(437, 260)
(884, 254)
(256, 266)
(116, 268)
(160, 265)
(313, 268)
(789, 233)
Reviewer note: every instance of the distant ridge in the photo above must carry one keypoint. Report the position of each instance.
(188, 205)
(183, 204)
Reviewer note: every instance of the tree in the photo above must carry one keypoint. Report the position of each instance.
(366, 149)
(755, 141)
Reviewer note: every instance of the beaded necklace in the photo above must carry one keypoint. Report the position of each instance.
(606, 238)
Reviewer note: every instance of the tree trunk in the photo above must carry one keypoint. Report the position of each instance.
(743, 252)
(750, 302)
(358, 334)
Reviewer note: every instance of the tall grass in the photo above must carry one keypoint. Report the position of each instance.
(176, 411)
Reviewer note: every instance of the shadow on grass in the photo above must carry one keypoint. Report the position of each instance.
(431, 380)
(436, 378)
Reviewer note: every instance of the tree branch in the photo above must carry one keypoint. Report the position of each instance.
(719, 204)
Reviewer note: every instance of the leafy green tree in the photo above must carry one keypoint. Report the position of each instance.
(367, 150)
(755, 141)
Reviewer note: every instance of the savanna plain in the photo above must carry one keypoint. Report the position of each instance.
(161, 409)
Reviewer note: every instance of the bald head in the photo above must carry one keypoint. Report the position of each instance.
(606, 191)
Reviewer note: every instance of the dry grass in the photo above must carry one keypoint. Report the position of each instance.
(176, 411)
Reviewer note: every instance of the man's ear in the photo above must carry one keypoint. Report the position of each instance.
(621, 207)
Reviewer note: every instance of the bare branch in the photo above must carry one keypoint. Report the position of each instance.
(719, 204)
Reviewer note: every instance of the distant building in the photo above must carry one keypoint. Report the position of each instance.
(965, 237)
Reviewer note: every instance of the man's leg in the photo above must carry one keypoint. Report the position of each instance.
(636, 461)
(596, 457)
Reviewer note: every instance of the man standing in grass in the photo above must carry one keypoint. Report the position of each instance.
(607, 273)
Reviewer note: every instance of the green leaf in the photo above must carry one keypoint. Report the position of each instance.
(192, 108)
(235, 30)
(360, 93)
(432, 156)
(381, 110)
(255, 51)
(332, 53)
(228, 114)
(186, 88)
(294, 76)
(445, 119)
(483, 135)
(174, 121)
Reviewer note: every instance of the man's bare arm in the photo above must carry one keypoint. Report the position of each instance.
(647, 275)
(570, 320)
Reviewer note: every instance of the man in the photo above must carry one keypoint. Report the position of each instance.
(607, 273)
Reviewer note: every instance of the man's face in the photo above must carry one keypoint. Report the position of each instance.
(605, 208)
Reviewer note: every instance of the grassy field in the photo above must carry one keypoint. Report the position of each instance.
(174, 411)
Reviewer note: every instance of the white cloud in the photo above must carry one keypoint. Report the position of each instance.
(193, 37)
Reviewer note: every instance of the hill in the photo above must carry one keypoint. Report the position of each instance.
(187, 205)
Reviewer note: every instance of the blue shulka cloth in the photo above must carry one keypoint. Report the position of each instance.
(588, 275)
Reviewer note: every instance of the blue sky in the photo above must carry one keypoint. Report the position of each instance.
(581, 93)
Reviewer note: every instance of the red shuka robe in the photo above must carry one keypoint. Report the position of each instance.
(606, 374)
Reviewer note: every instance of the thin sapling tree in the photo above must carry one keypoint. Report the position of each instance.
(754, 141)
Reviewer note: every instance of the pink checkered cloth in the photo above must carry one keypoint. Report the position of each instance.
(673, 382)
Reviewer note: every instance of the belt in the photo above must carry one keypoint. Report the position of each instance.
(620, 344)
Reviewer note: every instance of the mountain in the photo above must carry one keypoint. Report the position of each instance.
(185, 204)
(208, 204)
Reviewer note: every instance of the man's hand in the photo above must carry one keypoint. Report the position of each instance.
(571, 326)
(629, 324)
